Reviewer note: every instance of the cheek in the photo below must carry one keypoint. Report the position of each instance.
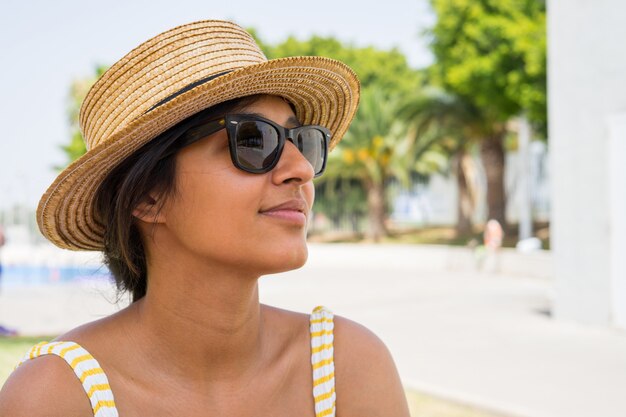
(208, 215)
(215, 216)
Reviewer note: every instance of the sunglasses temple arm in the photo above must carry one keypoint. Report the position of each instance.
(195, 134)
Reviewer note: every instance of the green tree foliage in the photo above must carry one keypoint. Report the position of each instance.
(387, 70)
(78, 91)
(492, 55)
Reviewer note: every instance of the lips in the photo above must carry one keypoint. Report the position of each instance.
(291, 211)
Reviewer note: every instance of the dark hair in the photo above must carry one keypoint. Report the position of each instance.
(151, 169)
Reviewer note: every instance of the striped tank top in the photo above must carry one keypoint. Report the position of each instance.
(97, 388)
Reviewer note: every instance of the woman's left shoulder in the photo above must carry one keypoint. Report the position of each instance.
(354, 335)
(358, 349)
(367, 382)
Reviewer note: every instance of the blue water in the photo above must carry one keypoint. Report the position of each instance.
(21, 275)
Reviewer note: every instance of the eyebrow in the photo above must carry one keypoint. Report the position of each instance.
(290, 121)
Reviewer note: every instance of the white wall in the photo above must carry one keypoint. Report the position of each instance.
(617, 204)
(586, 85)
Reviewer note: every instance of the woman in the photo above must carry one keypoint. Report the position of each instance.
(197, 181)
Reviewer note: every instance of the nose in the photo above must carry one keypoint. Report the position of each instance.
(292, 166)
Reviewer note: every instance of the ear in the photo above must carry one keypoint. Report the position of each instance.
(148, 211)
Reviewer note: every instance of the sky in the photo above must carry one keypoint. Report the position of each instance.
(44, 45)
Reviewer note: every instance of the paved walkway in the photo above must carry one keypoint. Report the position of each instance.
(484, 339)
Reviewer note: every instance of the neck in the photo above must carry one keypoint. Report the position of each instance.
(201, 321)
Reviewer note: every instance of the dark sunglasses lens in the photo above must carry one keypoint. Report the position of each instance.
(312, 144)
(257, 145)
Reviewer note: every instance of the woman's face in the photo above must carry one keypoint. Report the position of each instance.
(254, 222)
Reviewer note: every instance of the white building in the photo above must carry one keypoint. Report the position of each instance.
(587, 113)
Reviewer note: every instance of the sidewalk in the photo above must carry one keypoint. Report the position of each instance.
(484, 339)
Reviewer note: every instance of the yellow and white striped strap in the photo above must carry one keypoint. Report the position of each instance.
(86, 368)
(322, 362)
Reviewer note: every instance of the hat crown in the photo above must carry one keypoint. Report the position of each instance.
(161, 68)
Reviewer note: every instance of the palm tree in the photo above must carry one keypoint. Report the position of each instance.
(380, 146)
(452, 124)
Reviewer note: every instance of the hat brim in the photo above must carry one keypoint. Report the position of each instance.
(323, 91)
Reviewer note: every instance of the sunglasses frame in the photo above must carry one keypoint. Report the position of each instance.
(230, 122)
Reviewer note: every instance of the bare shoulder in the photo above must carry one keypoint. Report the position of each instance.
(44, 386)
(47, 385)
(367, 381)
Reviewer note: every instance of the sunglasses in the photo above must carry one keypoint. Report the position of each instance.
(256, 143)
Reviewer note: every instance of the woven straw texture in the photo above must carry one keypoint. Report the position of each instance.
(140, 97)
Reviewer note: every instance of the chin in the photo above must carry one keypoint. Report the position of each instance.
(287, 259)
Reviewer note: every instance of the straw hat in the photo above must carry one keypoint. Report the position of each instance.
(167, 79)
